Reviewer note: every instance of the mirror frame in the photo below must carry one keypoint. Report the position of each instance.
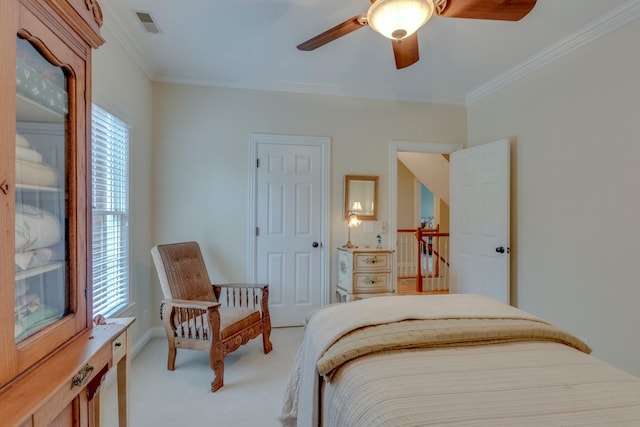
(348, 179)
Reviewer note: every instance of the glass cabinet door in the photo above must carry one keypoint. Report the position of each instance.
(42, 283)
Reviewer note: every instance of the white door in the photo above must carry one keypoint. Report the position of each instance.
(291, 214)
(480, 212)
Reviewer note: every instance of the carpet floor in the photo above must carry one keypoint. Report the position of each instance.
(252, 395)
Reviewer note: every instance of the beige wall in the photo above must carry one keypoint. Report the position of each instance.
(406, 197)
(123, 89)
(575, 130)
(442, 215)
(201, 158)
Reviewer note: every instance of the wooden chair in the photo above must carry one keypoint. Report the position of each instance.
(200, 316)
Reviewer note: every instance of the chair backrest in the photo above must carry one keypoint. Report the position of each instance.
(182, 271)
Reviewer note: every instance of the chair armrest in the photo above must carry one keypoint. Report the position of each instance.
(241, 285)
(184, 303)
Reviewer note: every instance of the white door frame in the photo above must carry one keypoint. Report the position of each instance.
(413, 147)
(325, 144)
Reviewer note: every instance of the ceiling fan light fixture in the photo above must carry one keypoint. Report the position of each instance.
(398, 19)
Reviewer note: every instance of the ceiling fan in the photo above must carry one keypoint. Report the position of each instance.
(399, 20)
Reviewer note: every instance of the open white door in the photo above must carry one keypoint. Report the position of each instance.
(480, 214)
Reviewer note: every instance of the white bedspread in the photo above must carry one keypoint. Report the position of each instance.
(301, 403)
(518, 384)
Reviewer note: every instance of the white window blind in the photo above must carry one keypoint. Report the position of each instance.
(110, 209)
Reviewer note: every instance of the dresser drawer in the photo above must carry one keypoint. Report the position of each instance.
(371, 282)
(119, 346)
(363, 273)
(372, 261)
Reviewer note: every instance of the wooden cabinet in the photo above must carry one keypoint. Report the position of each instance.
(63, 389)
(52, 358)
(364, 272)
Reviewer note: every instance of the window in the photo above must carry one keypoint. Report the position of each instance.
(110, 209)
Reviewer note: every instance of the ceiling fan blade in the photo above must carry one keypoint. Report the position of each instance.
(406, 51)
(336, 32)
(503, 10)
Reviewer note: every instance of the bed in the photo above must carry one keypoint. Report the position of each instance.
(449, 360)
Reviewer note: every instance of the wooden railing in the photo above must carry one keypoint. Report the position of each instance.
(423, 255)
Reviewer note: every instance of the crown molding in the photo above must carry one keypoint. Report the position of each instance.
(608, 22)
(378, 93)
(118, 32)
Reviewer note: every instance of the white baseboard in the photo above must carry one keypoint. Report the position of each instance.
(145, 338)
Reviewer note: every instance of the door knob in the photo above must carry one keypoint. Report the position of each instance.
(501, 250)
(315, 244)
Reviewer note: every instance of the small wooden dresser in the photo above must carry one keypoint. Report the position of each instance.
(364, 272)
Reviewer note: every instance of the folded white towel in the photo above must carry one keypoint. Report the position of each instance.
(30, 173)
(36, 228)
(38, 257)
(23, 259)
(28, 154)
(22, 141)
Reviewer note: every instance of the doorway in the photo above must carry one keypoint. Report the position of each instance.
(395, 150)
(480, 214)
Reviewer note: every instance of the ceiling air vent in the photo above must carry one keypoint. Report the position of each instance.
(147, 22)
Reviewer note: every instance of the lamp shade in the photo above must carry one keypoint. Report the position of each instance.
(398, 19)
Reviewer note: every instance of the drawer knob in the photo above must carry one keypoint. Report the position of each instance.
(371, 260)
(118, 344)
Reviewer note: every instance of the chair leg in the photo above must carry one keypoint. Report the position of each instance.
(266, 321)
(167, 314)
(266, 333)
(171, 357)
(217, 364)
(218, 377)
(217, 351)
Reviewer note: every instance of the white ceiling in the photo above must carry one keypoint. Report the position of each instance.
(252, 44)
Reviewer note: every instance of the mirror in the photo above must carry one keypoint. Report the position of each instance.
(361, 197)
